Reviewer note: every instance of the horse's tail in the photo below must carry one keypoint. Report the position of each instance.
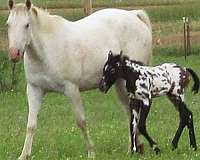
(195, 78)
(142, 15)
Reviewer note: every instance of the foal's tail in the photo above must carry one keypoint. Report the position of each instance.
(195, 78)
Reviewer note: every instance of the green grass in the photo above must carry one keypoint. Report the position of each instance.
(58, 138)
(175, 12)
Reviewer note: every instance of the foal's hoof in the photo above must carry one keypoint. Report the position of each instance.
(139, 150)
(194, 148)
(156, 149)
(173, 147)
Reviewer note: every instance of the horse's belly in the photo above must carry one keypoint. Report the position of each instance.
(89, 83)
(46, 82)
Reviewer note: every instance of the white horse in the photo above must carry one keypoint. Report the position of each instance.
(68, 57)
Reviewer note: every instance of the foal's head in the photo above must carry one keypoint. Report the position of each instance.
(111, 71)
(19, 34)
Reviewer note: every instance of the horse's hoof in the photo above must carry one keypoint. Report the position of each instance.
(22, 158)
(91, 155)
(140, 148)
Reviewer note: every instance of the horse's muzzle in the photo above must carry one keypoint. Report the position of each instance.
(15, 54)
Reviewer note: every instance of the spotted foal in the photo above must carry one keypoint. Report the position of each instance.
(144, 83)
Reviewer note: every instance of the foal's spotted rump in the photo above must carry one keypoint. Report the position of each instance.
(159, 80)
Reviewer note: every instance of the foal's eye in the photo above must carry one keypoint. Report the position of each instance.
(27, 26)
(112, 70)
(118, 64)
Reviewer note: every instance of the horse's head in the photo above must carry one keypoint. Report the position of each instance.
(19, 32)
(111, 72)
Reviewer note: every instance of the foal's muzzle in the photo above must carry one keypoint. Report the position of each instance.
(103, 87)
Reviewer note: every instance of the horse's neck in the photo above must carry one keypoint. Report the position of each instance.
(43, 30)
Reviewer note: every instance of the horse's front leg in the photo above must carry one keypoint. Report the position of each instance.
(34, 95)
(72, 91)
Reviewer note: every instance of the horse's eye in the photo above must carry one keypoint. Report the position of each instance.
(112, 70)
(27, 26)
(7, 24)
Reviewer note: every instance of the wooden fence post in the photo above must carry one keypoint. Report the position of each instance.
(188, 36)
(87, 7)
(184, 36)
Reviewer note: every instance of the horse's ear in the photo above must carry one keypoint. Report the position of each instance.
(10, 4)
(28, 4)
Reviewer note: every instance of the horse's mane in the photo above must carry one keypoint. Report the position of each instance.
(21, 8)
(41, 16)
(133, 61)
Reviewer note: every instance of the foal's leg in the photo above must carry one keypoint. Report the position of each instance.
(134, 119)
(122, 95)
(34, 95)
(186, 119)
(142, 127)
(72, 91)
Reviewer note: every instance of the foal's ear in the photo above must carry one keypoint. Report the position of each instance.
(121, 56)
(110, 54)
(10, 4)
(121, 52)
(28, 4)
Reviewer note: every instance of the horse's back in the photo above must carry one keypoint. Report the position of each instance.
(84, 44)
(131, 30)
(115, 16)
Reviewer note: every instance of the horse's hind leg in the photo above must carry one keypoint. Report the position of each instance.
(34, 95)
(72, 91)
(186, 119)
(123, 97)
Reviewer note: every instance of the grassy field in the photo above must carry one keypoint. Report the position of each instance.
(58, 138)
